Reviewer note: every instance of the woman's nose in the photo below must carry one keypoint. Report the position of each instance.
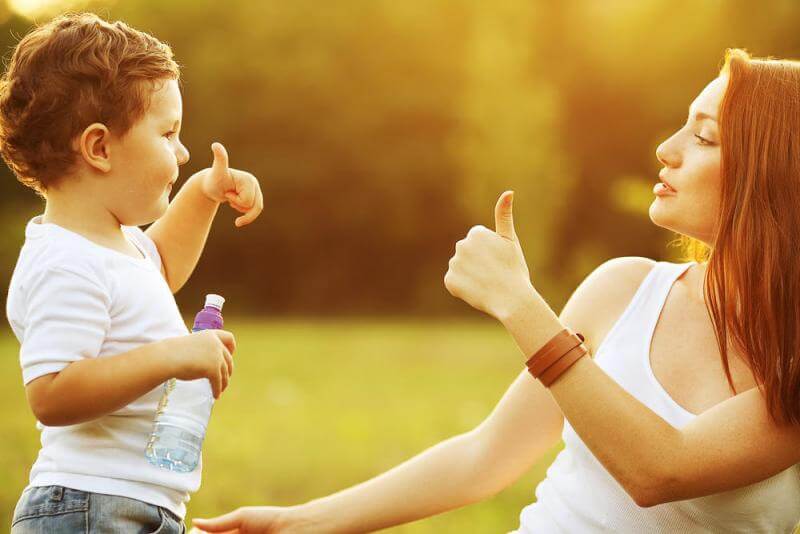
(668, 154)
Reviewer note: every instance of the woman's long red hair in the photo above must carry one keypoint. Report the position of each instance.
(753, 277)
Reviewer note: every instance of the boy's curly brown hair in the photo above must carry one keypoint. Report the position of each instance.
(71, 72)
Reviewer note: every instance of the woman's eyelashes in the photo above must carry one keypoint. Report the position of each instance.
(702, 140)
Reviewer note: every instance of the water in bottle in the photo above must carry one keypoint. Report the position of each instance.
(185, 407)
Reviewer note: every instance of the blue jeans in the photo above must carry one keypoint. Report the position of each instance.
(60, 510)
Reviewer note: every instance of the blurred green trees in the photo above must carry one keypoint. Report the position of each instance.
(381, 131)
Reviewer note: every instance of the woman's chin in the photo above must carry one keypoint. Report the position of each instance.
(659, 215)
(668, 220)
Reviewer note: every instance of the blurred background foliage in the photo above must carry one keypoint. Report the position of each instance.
(381, 131)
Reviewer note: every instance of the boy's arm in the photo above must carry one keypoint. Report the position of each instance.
(181, 233)
(90, 388)
(65, 319)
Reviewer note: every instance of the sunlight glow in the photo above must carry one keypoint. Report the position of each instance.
(44, 8)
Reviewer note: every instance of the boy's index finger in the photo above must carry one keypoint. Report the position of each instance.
(253, 212)
(233, 201)
(245, 188)
(240, 201)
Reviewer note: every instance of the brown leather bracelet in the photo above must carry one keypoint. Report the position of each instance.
(550, 353)
(564, 363)
(558, 346)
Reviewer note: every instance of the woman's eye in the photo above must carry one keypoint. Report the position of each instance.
(703, 140)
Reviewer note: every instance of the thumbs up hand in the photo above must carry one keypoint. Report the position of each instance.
(239, 189)
(488, 270)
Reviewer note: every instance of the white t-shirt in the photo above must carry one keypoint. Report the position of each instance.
(71, 299)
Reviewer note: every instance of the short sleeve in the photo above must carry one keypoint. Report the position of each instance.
(143, 241)
(66, 319)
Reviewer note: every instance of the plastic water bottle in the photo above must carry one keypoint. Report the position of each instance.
(185, 407)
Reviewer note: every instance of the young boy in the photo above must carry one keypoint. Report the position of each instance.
(90, 114)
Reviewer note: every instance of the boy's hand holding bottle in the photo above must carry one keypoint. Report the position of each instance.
(185, 407)
(203, 354)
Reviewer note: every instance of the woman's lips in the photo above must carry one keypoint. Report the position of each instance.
(662, 189)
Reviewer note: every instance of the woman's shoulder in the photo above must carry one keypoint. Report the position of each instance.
(617, 278)
(625, 268)
(603, 295)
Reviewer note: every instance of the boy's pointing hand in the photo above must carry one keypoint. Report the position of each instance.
(238, 188)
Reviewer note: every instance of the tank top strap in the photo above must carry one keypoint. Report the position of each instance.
(655, 289)
(642, 312)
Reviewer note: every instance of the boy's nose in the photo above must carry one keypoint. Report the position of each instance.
(183, 155)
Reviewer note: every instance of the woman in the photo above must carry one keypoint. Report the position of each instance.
(687, 417)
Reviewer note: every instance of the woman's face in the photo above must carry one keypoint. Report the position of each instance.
(691, 159)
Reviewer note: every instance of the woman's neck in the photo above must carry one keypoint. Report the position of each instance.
(693, 281)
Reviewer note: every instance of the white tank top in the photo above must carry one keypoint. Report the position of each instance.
(579, 495)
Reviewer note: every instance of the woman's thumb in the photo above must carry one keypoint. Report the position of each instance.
(503, 218)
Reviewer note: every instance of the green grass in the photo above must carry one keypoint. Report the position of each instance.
(316, 406)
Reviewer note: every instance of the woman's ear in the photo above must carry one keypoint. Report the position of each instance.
(94, 146)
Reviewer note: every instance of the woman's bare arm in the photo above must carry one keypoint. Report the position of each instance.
(729, 446)
(524, 425)
(468, 468)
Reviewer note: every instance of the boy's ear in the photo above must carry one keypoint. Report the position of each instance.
(94, 146)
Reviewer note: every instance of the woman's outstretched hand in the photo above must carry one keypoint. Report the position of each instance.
(251, 520)
(488, 270)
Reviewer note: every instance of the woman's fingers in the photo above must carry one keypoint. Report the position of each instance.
(229, 522)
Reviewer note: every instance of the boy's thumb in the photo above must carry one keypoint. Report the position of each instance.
(503, 218)
(220, 157)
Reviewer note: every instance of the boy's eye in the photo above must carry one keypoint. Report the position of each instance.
(169, 134)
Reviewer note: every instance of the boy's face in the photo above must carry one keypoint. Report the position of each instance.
(145, 161)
